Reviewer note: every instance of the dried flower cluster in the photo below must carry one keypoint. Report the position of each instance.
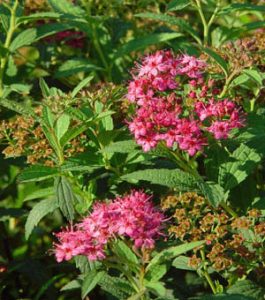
(232, 244)
(241, 54)
(24, 137)
(165, 113)
(132, 216)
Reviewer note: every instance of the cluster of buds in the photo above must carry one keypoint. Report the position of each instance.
(176, 114)
(232, 244)
(132, 216)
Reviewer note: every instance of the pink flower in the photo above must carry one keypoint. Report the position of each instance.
(132, 216)
(163, 115)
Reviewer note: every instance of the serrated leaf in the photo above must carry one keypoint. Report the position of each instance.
(117, 287)
(253, 135)
(182, 262)
(40, 193)
(212, 192)
(120, 147)
(65, 197)
(37, 173)
(72, 285)
(17, 107)
(143, 42)
(218, 59)
(175, 178)
(90, 282)
(64, 6)
(124, 253)
(254, 75)
(39, 211)
(74, 132)
(156, 272)
(172, 252)
(82, 84)
(62, 125)
(244, 161)
(247, 288)
(178, 5)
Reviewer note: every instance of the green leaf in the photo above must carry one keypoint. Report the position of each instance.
(40, 193)
(82, 84)
(243, 161)
(11, 70)
(48, 117)
(218, 59)
(124, 253)
(244, 7)
(176, 178)
(28, 36)
(182, 24)
(37, 173)
(64, 6)
(44, 88)
(247, 288)
(172, 252)
(17, 107)
(254, 75)
(62, 125)
(212, 192)
(178, 5)
(72, 285)
(143, 42)
(20, 88)
(120, 147)
(90, 281)
(73, 66)
(156, 272)
(39, 211)
(182, 262)
(74, 132)
(65, 197)
(117, 287)
(253, 135)
(157, 288)
(38, 16)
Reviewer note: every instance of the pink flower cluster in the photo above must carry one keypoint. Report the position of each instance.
(162, 111)
(132, 216)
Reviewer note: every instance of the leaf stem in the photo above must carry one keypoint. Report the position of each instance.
(206, 274)
(228, 209)
(11, 30)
